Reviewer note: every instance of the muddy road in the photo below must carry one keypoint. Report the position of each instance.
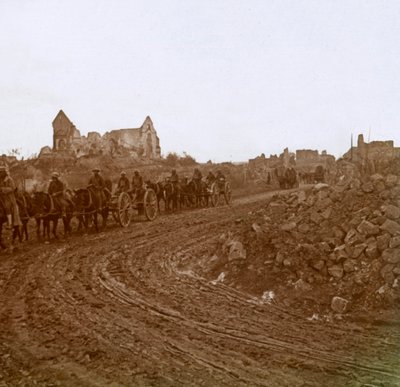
(120, 308)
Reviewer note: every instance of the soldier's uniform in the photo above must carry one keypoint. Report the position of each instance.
(174, 179)
(197, 176)
(137, 183)
(7, 191)
(97, 182)
(123, 184)
(210, 178)
(56, 190)
(220, 179)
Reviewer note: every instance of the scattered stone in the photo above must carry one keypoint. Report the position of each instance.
(320, 186)
(387, 273)
(376, 177)
(391, 211)
(339, 304)
(304, 228)
(288, 262)
(372, 251)
(277, 208)
(326, 214)
(391, 255)
(391, 227)
(383, 241)
(256, 228)
(301, 196)
(318, 265)
(349, 265)
(367, 228)
(236, 251)
(288, 226)
(341, 253)
(367, 187)
(302, 286)
(394, 242)
(353, 237)
(391, 180)
(358, 250)
(336, 271)
(315, 217)
(280, 257)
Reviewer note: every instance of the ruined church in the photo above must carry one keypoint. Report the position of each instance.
(137, 142)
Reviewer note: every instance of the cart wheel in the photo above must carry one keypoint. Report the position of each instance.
(227, 193)
(214, 196)
(150, 204)
(113, 207)
(124, 209)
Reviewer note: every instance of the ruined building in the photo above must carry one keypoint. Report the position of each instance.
(373, 151)
(304, 158)
(137, 142)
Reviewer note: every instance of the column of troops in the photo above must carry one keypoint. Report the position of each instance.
(16, 205)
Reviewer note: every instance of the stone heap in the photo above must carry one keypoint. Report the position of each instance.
(345, 239)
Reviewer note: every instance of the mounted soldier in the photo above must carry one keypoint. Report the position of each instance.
(56, 191)
(123, 184)
(174, 179)
(210, 178)
(197, 176)
(137, 184)
(98, 184)
(7, 195)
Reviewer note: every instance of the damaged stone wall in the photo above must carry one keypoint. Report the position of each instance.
(136, 142)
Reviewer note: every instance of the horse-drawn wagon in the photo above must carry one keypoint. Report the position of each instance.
(218, 189)
(122, 205)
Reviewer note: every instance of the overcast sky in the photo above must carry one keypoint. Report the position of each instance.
(221, 79)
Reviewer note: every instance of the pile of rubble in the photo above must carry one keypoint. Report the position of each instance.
(340, 244)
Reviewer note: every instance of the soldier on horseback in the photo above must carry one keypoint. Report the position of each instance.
(210, 178)
(7, 195)
(123, 184)
(174, 179)
(98, 184)
(197, 176)
(137, 184)
(56, 191)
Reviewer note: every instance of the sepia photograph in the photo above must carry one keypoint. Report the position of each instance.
(200, 193)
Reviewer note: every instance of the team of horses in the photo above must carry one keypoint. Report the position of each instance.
(87, 206)
(183, 194)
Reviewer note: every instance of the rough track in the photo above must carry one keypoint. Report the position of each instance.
(115, 309)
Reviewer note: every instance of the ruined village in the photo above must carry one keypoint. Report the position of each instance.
(291, 265)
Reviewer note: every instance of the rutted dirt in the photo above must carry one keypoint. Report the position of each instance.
(116, 308)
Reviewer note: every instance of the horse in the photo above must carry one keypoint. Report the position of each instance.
(185, 194)
(3, 219)
(158, 188)
(198, 193)
(45, 212)
(87, 203)
(16, 232)
(24, 202)
(171, 195)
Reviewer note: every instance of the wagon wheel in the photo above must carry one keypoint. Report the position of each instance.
(227, 193)
(124, 209)
(113, 208)
(214, 195)
(150, 204)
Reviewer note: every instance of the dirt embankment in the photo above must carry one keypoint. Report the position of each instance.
(135, 307)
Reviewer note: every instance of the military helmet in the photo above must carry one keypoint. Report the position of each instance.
(55, 174)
